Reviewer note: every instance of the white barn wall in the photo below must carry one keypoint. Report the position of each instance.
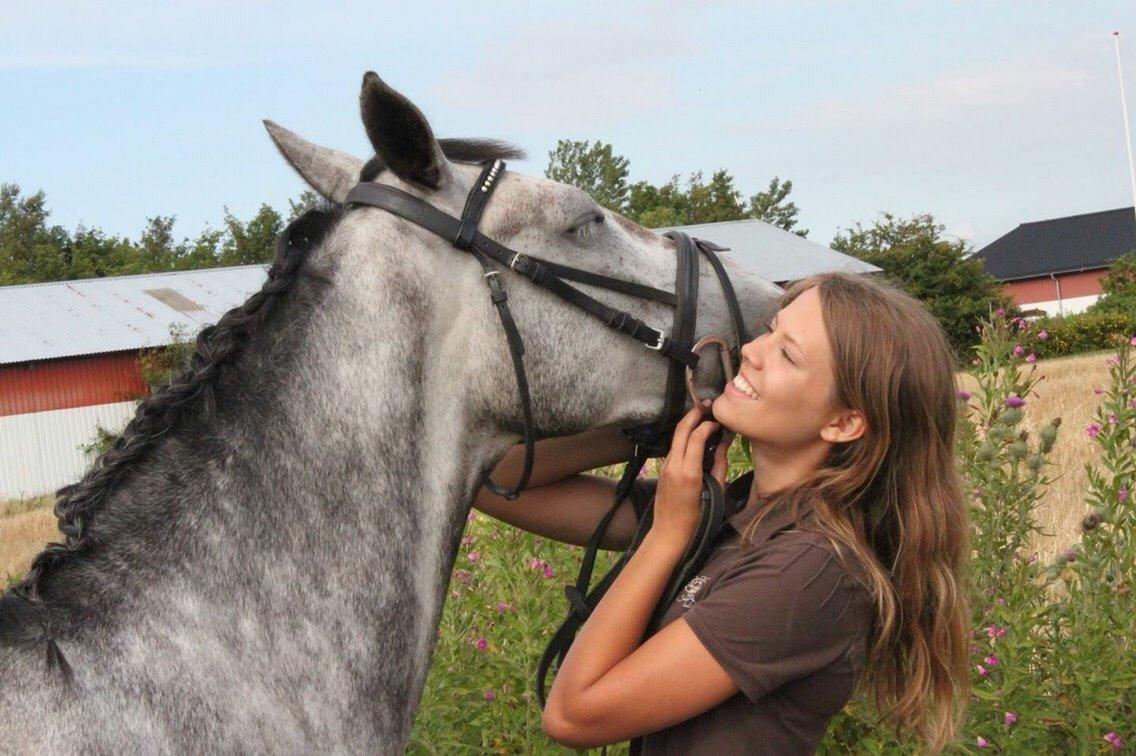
(39, 451)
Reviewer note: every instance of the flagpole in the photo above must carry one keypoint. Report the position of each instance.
(1124, 109)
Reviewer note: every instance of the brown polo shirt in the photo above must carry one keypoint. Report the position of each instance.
(785, 620)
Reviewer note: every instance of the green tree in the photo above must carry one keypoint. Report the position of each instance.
(915, 255)
(252, 242)
(675, 205)
(307, 200)
(771, 206)
(92, 254)
(30, 249)
(1118, 286)
(157, 250)
(593, 168)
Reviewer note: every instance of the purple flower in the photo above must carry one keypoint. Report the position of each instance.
(1114, 741)
(1112, 418)
(991, 660)
(467, 540)
(1018, 350)
(547, 571)
(1031, 357)
(980, 741)
(471, 516)
(1000, 312)
(1132, 341)
(462, 576)
(963, 394)
(1043, 334)
(1093, 430)
(981, 670)
(1097, 390)
(1132, 403)
(1013, 400)
(1033, 557)
(973, 648)
(481, 643)
(1121, 494)
(489, 695)
(503, 607)
(535, 564)
(474, 556)
(977, 492)
(1009, 718)
(993, 631)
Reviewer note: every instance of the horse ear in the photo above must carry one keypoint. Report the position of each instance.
(400, 135)
(330, 172)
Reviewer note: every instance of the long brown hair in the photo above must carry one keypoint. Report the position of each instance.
(894, 498)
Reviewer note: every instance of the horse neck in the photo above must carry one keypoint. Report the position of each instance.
(330, 486)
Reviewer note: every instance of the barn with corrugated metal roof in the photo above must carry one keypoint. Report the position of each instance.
(69, 360)
(69, 350)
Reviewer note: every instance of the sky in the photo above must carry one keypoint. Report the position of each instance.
(984, 114)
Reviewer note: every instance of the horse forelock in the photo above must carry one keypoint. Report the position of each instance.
(22, 613)
(458, 150)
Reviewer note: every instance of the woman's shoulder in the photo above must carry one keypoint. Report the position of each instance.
(813, 557)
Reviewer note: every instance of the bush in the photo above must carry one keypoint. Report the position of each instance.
(1073, 334)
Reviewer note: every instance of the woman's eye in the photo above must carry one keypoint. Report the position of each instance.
(784, 352)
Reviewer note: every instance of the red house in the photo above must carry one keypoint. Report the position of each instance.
(1056, 265)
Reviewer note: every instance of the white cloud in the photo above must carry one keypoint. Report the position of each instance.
(1012, 85)
(573, 74)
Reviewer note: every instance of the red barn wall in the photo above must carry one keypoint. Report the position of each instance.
(73, 382)
(1043, 289)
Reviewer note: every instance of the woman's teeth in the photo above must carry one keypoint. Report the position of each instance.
(741, 385)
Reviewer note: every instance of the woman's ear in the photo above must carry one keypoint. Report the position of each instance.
(846, 425)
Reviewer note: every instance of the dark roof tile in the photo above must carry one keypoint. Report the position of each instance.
(1057, 245)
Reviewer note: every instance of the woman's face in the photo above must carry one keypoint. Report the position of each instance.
(783, 397)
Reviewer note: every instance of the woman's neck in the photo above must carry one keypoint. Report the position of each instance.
(776, 468)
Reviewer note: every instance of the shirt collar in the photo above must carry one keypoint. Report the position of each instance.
(737, 495)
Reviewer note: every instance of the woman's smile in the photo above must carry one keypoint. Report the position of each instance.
(741, 389)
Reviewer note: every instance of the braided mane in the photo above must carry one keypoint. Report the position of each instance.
(217, 346)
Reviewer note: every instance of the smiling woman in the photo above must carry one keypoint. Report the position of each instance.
(840, 567)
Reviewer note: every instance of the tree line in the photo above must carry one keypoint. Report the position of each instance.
(914, 252)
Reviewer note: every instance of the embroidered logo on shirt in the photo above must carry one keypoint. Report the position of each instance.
(690, 590)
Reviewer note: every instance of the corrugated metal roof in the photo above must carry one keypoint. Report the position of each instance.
(1060, 245)
(95, 315)
(774, 253)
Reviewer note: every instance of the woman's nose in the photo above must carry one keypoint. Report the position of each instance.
(752, 352)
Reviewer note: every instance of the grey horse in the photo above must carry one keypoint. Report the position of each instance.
(260, 561)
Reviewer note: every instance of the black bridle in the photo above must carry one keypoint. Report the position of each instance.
(676, 346)
(651, 439)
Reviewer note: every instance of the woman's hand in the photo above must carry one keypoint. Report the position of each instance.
(678, 497)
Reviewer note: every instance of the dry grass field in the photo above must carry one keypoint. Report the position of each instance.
(1066, 391)
(25, 526)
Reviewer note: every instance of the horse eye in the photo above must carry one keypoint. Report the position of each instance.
(586, 223)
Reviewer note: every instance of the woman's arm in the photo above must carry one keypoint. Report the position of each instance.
(561, 503)
(610, 688)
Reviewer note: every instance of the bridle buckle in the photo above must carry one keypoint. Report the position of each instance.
(658, 345)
